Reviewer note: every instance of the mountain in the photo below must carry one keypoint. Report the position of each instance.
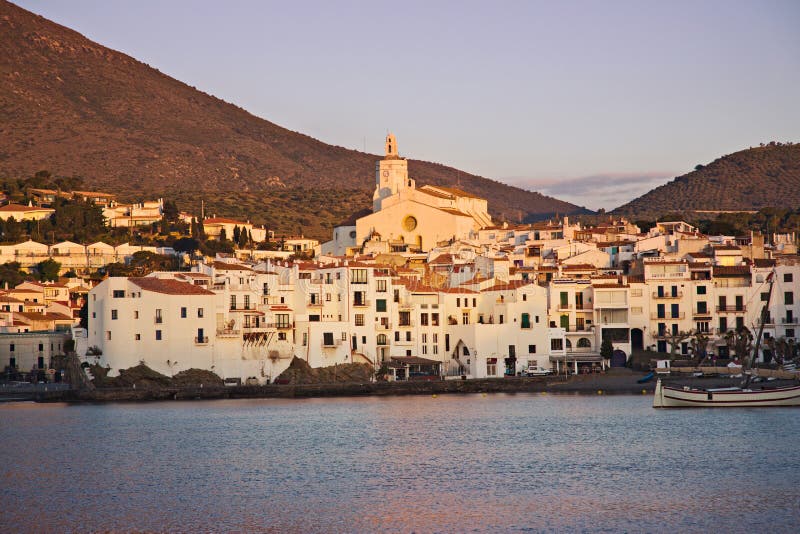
(74, 107)
(761, 177)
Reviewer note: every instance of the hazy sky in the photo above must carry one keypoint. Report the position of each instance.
(591, 102)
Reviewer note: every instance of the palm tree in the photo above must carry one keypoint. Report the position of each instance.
(740, 343)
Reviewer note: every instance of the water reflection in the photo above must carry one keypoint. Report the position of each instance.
(423, 464)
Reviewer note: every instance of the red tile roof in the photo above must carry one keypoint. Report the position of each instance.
(169, 287)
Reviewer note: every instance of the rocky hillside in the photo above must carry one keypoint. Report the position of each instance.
(766, 176)
(75, 107)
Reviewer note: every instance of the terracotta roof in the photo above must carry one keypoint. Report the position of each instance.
(221, 220)
(765, 263)
(452, 190)
(513, 284)
(444, 259)
(222, 266)
(169, 287)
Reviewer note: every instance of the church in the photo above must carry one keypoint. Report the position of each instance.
(406, 218)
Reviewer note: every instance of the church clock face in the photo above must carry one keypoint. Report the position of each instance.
(409, 223)
(385, 174)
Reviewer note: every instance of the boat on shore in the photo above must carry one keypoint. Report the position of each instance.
(733, 397)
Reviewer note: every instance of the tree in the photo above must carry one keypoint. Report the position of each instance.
(11, 275)
(171, 212)
(606, 348)
(84, 314)
(186, 244)
(48, 270)
(237, 233)
(699, 344)
(740, 343)
(675, 340)
(223, 235)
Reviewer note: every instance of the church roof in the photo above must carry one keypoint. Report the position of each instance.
(452, 190)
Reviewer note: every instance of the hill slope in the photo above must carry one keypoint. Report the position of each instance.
(751, 179)
(74, 107)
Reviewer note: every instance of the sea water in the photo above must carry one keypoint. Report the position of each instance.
(450, 463)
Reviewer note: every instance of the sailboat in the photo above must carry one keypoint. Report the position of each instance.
(685, 397)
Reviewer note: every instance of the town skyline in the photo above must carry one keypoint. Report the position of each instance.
(594, 126)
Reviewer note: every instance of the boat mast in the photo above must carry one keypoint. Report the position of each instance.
(764, 316)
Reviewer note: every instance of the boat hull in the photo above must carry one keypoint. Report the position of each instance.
(669, 397)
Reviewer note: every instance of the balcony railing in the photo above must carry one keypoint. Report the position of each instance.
(732, 309)
(201, 340)
(702, 313)
(790, 320)
(314, 303)
(158, 320)
(242, 307)
(578, 328)
(361, 303)
(676, 295)
(334, 343)
(383, 326)
(667, 316)
(228, 332)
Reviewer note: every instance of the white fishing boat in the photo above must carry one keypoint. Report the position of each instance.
(684, 397)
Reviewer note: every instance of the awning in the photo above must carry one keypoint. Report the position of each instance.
(578, 357)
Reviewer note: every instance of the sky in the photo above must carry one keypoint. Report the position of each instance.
(592, 102)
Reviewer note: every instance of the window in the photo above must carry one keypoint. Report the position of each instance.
(159, 319)
(524, 297)
(465, 318)
(247, 302)
(233, 302)
(408, 335)
(701, 290)
(359, 276)
(382, 339)
(305, 339)
(113, 315)
(327, 339)
(764, 296)
(435, 319)
(158, 335)
(11, 348)
(557, 344)
(344, 336)
(702, 308)
(380, 305)
(201, 338)
(702, 326)
(200, 312)
(41, 347)
(118, 294)
(424, 338)
(790, 332)
(281, 336)
(359, 318)
(282, 320)
(423, 319)
(788, 298)
(474, 301)
(327, 297)
(787, 277)
(380, 286)
(525, 320)
(137, 337)
(405, 318)
(135, 314)
(491, 366)
(183, 312)
(723, 325)
(397, 336)
(531, 349)
(424, 349)
(512, 351)
(436, 349)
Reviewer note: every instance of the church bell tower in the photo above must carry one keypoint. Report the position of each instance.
(391, 174)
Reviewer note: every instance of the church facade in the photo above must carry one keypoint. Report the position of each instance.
(406, 218)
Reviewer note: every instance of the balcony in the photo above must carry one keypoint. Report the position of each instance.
(676, 295)
(789, 320)
(316, 303)
(158, 320)
(383, 326)
(406, 324)
(731, 309)
(242, 307)
(361, 303)
(668, 316)
(701, 313)
(228, 332)
(201, 340)
(335, 343)
(579, 328)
